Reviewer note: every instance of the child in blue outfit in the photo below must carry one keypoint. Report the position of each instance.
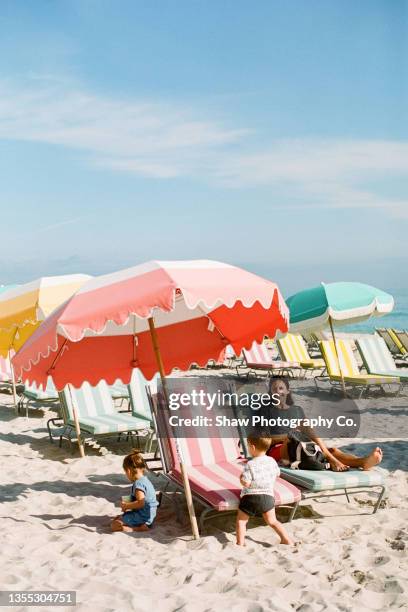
(140, 512)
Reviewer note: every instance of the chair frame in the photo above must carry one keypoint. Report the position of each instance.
(251, 368)
(336, 385)
(69, 433)
(209, 511)
(304, 368)
(307, 494)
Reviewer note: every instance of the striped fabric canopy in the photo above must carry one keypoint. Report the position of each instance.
(198, 307)
(23, 307)
(343, 302)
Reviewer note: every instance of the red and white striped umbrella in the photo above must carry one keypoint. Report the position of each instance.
(155, 317)
(196, 307)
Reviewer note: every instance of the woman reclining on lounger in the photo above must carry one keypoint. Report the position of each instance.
(338, 460)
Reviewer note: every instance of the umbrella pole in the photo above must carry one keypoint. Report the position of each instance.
(186, 482)
(338, 358)
(13, 382)
(77, 426)
(13, 378)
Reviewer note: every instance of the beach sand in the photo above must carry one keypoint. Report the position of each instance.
(56, 507)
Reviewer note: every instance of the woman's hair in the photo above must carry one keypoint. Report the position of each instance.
(289, 398)
(133, 462)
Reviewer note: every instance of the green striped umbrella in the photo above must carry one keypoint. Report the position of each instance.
(336, 304)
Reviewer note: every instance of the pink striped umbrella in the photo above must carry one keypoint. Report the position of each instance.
(198, 308)
(155, 317)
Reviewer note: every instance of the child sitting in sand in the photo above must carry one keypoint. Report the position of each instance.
(140, 511)
(258, 481)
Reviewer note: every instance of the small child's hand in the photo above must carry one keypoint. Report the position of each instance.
(245, 483)
(124, 506)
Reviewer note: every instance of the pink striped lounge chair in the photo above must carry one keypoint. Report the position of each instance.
(259, 358)
(5, 374)
(214, 467)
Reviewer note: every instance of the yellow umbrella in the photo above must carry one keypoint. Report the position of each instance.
(22, 308)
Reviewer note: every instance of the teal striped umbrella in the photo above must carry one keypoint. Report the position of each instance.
(336, 304)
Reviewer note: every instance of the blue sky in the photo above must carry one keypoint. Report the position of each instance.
(272, 135)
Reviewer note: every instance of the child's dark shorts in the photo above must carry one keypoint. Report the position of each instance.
(256, 505)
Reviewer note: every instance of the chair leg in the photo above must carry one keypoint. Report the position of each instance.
(293, 511)
(379, 499)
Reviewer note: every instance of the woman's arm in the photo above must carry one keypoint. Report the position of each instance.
(135, 505)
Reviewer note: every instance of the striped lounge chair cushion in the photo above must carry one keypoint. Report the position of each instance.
(218, 484)
(378, 359)
(328, 480)
(259, 357)
(38, 393)
(293, 348)
(96, 410)
(5, 371)
(138, 396)
(110, 423)
(348, 365)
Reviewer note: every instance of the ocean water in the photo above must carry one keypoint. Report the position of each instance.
(397, 319)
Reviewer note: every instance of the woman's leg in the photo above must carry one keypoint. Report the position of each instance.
(241, 524)
(272, 521)
(366, 463)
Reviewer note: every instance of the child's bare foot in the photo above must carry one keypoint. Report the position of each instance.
(141, 528)
(288, 541)
(374, 458)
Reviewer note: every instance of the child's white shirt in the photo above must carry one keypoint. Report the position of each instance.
(260, 473)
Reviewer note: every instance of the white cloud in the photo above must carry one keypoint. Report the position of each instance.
(165, 141)
(140, 136)
(321, 173)
(58, 224)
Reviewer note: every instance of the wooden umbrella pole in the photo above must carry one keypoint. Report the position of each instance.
(77, 426)
(13, 378)
(13, 382)
(186, 482)
(343, 384)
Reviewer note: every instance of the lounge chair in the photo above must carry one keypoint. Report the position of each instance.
(38, 398)
(5, 372)
(139, 404)
(259, 358)
(378, 360)
(402, 336)
(292, 347)
(97, 414)
(393, 342)
(353, 378)
(214, 465)
(317, 484)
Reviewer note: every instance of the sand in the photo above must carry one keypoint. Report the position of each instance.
(56, 507)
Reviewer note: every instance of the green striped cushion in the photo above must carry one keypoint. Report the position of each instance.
(377, 358)
(326, 480)
(110, 424)
(90, 401)
(38, 393)
(139, 401)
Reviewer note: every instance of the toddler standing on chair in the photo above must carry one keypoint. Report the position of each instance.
(257, 496)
